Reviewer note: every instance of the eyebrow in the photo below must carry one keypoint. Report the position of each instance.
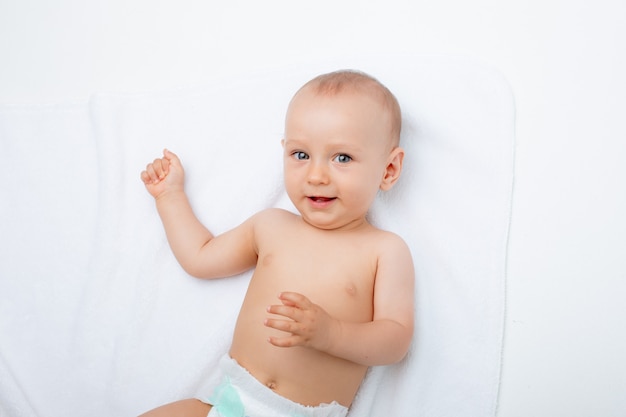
(294, 142)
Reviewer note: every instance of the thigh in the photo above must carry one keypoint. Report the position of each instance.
(184, 408)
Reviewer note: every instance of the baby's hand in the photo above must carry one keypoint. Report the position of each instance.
(308, 324)
(164, 175)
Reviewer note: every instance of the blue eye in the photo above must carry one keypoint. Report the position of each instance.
(299, 155)
(343, 158)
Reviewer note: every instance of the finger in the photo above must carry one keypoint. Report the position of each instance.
(284, 341)
(166, 166)
(171, 157)
(150, 174)
(145, 177)
(287, 326)
(294, 299)
(158, 166)
(292, 313)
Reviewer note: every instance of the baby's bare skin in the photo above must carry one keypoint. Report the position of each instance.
(331, 295)
(336, 270)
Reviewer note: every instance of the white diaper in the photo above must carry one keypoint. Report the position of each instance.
(242, 395)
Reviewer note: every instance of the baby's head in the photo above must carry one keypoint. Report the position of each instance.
(341, 146)
(360, 84)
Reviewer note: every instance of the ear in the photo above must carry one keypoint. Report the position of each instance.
(393, 168)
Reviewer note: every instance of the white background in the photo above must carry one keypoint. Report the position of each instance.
(566, 61)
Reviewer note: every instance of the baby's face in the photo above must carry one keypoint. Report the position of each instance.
(336, 150)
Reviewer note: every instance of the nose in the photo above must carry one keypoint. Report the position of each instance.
(318, 173)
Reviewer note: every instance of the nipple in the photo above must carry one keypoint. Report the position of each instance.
(351, 289)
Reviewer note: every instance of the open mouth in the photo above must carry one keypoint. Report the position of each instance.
(318, 199)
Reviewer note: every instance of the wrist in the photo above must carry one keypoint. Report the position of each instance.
(169, 196)
(334, 336)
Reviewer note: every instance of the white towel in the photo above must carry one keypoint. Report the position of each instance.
(96, 316)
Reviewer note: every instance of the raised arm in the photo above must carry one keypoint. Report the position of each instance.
(382, 341)
(199, 252)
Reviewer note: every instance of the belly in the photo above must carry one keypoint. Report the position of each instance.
(301, 374)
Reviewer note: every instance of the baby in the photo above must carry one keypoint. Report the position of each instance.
(331, 294)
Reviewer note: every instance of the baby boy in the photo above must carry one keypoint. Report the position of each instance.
(331, 294)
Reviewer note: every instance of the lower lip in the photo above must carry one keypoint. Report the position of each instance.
(321, 203)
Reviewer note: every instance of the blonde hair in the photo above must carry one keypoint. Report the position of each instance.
(351, 80)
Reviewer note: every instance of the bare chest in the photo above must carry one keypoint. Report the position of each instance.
(335, 274)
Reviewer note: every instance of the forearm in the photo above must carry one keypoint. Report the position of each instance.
(380, 342)
(185, 234)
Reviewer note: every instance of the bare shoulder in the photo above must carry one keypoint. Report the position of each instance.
(389, 242)
(272, 220)
(273, 216)
(274, 212)
(394, 260)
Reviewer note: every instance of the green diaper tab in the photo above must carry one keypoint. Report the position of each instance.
(226, 400)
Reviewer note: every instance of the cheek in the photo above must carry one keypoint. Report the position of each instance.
(287, 179)
(291, 178)
(365, 187)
